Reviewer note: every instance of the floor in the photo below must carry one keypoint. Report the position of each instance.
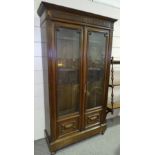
(107, 144)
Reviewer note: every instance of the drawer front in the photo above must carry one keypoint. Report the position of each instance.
(68, 126)
(92, 119)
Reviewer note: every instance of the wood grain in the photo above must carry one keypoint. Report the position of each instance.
(63, 130)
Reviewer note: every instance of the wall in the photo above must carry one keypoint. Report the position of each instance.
(113, 3)
(86, 5)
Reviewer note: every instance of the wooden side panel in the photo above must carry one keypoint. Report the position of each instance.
(47, 33)
(45, 75)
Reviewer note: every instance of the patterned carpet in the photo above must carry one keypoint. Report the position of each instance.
(107, 144)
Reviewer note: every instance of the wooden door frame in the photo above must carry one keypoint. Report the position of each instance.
(105, 80)
(74, 27)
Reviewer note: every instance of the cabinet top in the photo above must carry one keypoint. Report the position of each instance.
(57, 11)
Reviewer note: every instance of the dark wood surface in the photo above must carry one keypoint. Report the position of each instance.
(64, 14)
(63, 130)
(49, 6)
(116, 62)
(60, 143)
(110, 85)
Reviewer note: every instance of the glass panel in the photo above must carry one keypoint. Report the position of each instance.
(95, 57)
(68, 76)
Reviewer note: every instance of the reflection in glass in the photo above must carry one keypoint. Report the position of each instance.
(95, 57)
(68, 60)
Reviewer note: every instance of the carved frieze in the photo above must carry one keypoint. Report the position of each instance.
(57, 14)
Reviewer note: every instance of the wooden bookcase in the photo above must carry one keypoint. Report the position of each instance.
(77, 46)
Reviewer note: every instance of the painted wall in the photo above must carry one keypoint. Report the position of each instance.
(113, 3)
(87, 5)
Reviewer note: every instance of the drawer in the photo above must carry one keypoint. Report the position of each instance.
(92, 119)
(68, 126)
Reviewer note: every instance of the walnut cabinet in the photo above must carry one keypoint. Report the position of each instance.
(76, 49)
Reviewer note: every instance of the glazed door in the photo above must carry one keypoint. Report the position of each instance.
(97, 48)
(69, 46)
(68, 69)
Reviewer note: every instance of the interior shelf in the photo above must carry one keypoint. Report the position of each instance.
(111, 106)
(115, 106)
(94, 68)
(115, 62)
(68, 69)
(110, 85)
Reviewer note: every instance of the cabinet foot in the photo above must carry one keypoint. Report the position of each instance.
(102, 132)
